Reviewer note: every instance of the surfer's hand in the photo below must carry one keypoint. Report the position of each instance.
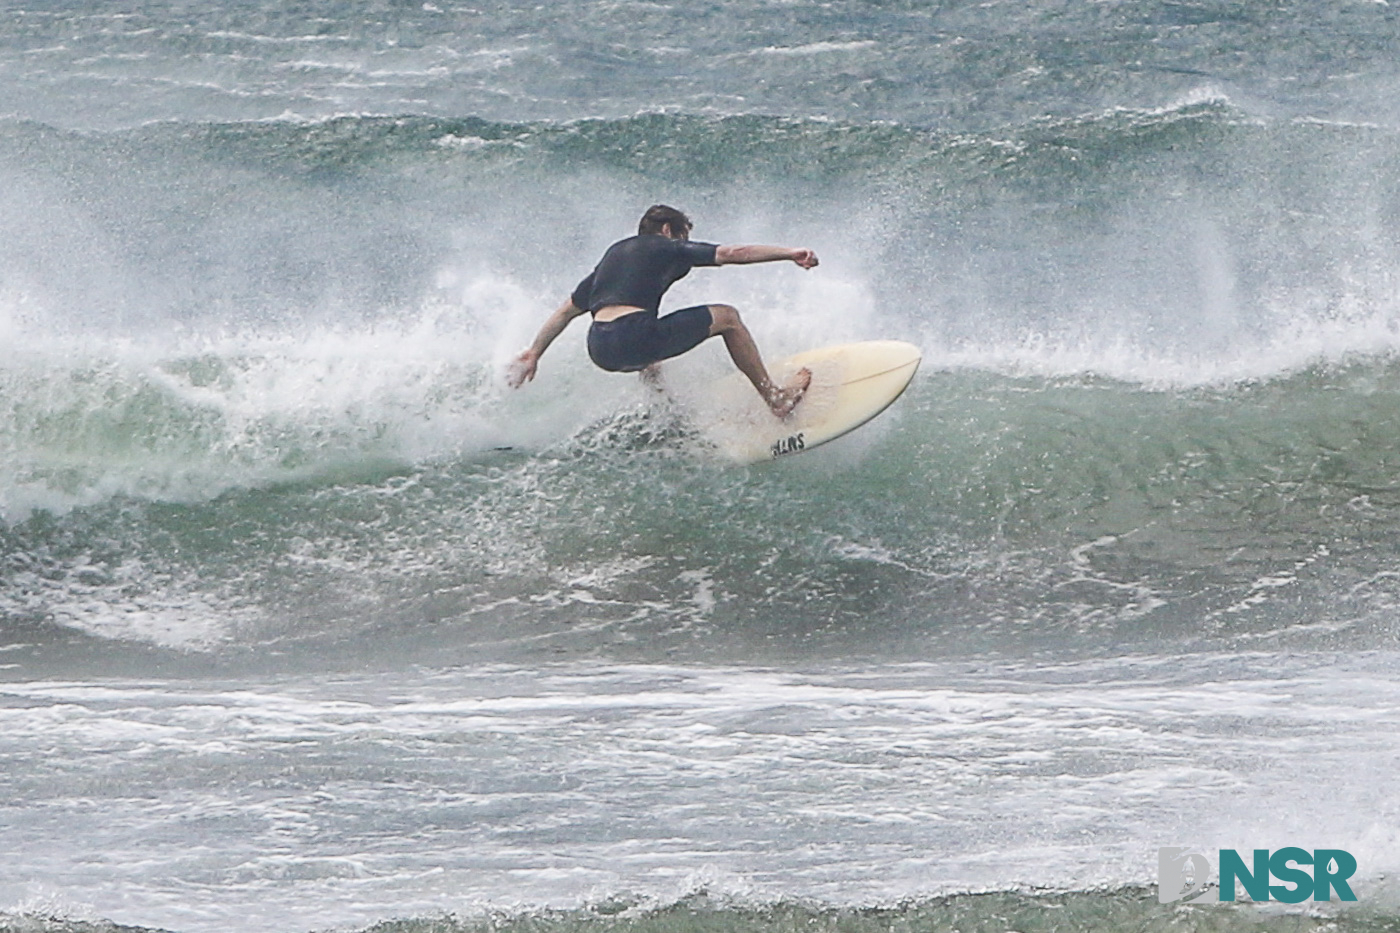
(804, 258)
(523, 369)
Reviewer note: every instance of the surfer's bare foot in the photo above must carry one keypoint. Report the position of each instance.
(783, 400)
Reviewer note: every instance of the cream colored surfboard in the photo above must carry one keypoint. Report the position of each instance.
(851, 383)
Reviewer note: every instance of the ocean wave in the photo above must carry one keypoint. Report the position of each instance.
(1089, 911)
(1207, 515)
(82, 423)
(1160, 373)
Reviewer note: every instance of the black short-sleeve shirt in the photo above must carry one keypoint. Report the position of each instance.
(638, 270)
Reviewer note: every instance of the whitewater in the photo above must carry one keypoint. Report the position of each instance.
(309, 622)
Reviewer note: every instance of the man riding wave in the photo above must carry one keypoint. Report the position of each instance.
(623, 293)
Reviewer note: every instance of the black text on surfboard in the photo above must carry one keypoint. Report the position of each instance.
(788, 445)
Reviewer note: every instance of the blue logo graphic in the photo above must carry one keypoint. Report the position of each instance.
(1183, 875)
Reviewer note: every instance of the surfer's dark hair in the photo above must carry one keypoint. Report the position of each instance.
(659, 215)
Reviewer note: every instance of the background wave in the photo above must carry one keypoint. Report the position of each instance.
(956, 65)
(1196, 236)
(1167, 333)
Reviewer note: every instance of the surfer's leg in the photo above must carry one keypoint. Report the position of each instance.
(651, 378)
(725, 322)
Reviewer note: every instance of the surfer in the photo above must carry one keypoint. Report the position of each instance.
(623, 293)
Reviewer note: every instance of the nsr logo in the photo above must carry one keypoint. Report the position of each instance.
(1183, 874)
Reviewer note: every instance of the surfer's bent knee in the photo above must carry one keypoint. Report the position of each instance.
(723, 318)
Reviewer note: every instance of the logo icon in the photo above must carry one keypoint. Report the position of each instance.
(1182, 874)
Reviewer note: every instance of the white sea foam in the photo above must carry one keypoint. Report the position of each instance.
(187, 416)
(1301, 341)
(514, 788)
(820, 48)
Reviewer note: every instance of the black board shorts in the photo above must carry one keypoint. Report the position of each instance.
(635, 341)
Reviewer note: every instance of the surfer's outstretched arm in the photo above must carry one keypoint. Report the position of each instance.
(747, 255)
(523, 369)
